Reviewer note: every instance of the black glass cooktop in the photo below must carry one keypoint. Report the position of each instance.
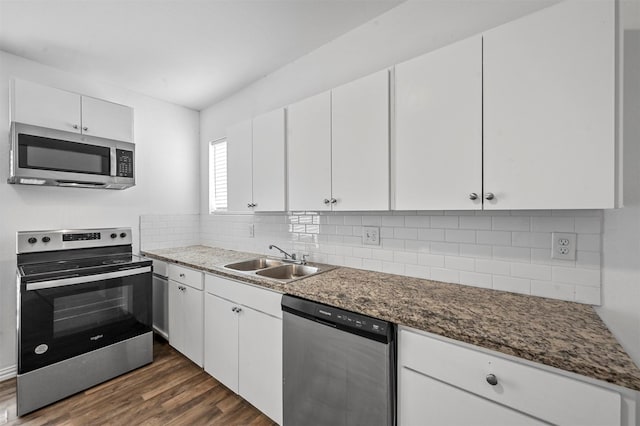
(76, 264)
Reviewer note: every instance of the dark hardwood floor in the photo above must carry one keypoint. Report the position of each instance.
(170, 391)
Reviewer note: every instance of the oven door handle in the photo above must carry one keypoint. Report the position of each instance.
(41, 285)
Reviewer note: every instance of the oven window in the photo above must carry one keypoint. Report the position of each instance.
(80, 312)
(36, 152)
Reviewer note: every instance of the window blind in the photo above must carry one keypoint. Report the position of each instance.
(218, 175)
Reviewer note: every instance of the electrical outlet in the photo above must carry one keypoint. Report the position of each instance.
(371, 235)
(563, 245)
(251, 231)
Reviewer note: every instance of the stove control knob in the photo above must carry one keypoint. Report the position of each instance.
(46, 239)
(123, 234)
(32, 240)
(114, 235)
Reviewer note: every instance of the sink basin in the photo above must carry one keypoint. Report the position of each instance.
(253, 264)
(288, 272)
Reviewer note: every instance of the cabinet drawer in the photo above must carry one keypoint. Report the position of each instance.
(186, 276)
(548, 396)
(263, 300)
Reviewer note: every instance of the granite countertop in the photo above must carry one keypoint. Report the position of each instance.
(566, 335)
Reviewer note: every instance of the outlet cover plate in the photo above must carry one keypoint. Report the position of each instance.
(371, 235)
(563, 245)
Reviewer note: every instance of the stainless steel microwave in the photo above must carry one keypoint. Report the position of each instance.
(41, 156)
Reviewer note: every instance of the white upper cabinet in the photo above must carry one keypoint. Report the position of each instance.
(61, 110)
(269, 168)
(239, 167)
(256, 164)
(549, 105)
(438, 145)
(360, 144)
(339, 148)
(106, 119)
(45, 106)
(309, 153)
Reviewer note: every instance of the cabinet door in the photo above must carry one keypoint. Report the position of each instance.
(260, 365)
(549, 109)
(239, 168)
(269, 161)
(360, 144)
(186, 321)
(438, 146)
(45, 106)
(424, 400)
(193, 338)
(221, 341)
(107, 119)
(309, 153)
(176, 316)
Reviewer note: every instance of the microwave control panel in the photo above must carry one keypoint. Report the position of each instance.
(124, 162)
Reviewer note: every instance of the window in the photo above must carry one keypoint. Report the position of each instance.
(218, 175)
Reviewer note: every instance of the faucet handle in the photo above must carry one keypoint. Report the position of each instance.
(304, 258)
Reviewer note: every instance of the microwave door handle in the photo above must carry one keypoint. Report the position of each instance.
(41, 285)
(80, 184)
(114, 162)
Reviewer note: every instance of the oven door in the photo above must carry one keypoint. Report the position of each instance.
(64, 317)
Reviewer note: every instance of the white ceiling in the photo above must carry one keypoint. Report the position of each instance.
(189, 52)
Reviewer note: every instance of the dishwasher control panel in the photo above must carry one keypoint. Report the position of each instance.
(352, 320)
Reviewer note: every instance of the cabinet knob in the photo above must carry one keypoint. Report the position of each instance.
(84, 129)
(489, 196)
(238, 310)
(249, 205)
(492, 379)
(75, 126)
(233, 309)
(333, 201)
(181, 275)
(327, 201)
(473, 196)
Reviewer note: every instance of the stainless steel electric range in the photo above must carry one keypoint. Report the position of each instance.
(84, 312)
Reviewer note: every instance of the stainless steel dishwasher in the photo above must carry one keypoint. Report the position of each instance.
(338, 366)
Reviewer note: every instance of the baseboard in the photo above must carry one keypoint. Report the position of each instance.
(8, 373)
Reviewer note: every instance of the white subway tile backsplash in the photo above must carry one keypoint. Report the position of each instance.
(511, 223)
(417, 221)
(446, 275)
(444, 222)
(553, 224)
(531, 271)
(553, 290)
(514, 285)
(475, 279)
(460, 236)
(505, 250)
(459, 263)
(583, 277)
(493, 237)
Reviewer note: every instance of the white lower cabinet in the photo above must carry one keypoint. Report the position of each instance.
(186, 312)
(445, 383)
(243, 342)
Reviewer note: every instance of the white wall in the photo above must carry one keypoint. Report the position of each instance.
(167, 178)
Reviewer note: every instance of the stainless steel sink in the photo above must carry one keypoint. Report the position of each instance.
(253, 264)
(288, 272)
(277, 270)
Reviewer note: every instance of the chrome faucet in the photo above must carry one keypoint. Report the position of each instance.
(289, 257)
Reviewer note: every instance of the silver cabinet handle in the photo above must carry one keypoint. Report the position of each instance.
(238, 310)
(249, 205)
(492, 379)
(233, 309)
(333, 201)
(85, 129)
(75, 126)
(181, 275)
(489, 196)
(326, 201)
(473, 196)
